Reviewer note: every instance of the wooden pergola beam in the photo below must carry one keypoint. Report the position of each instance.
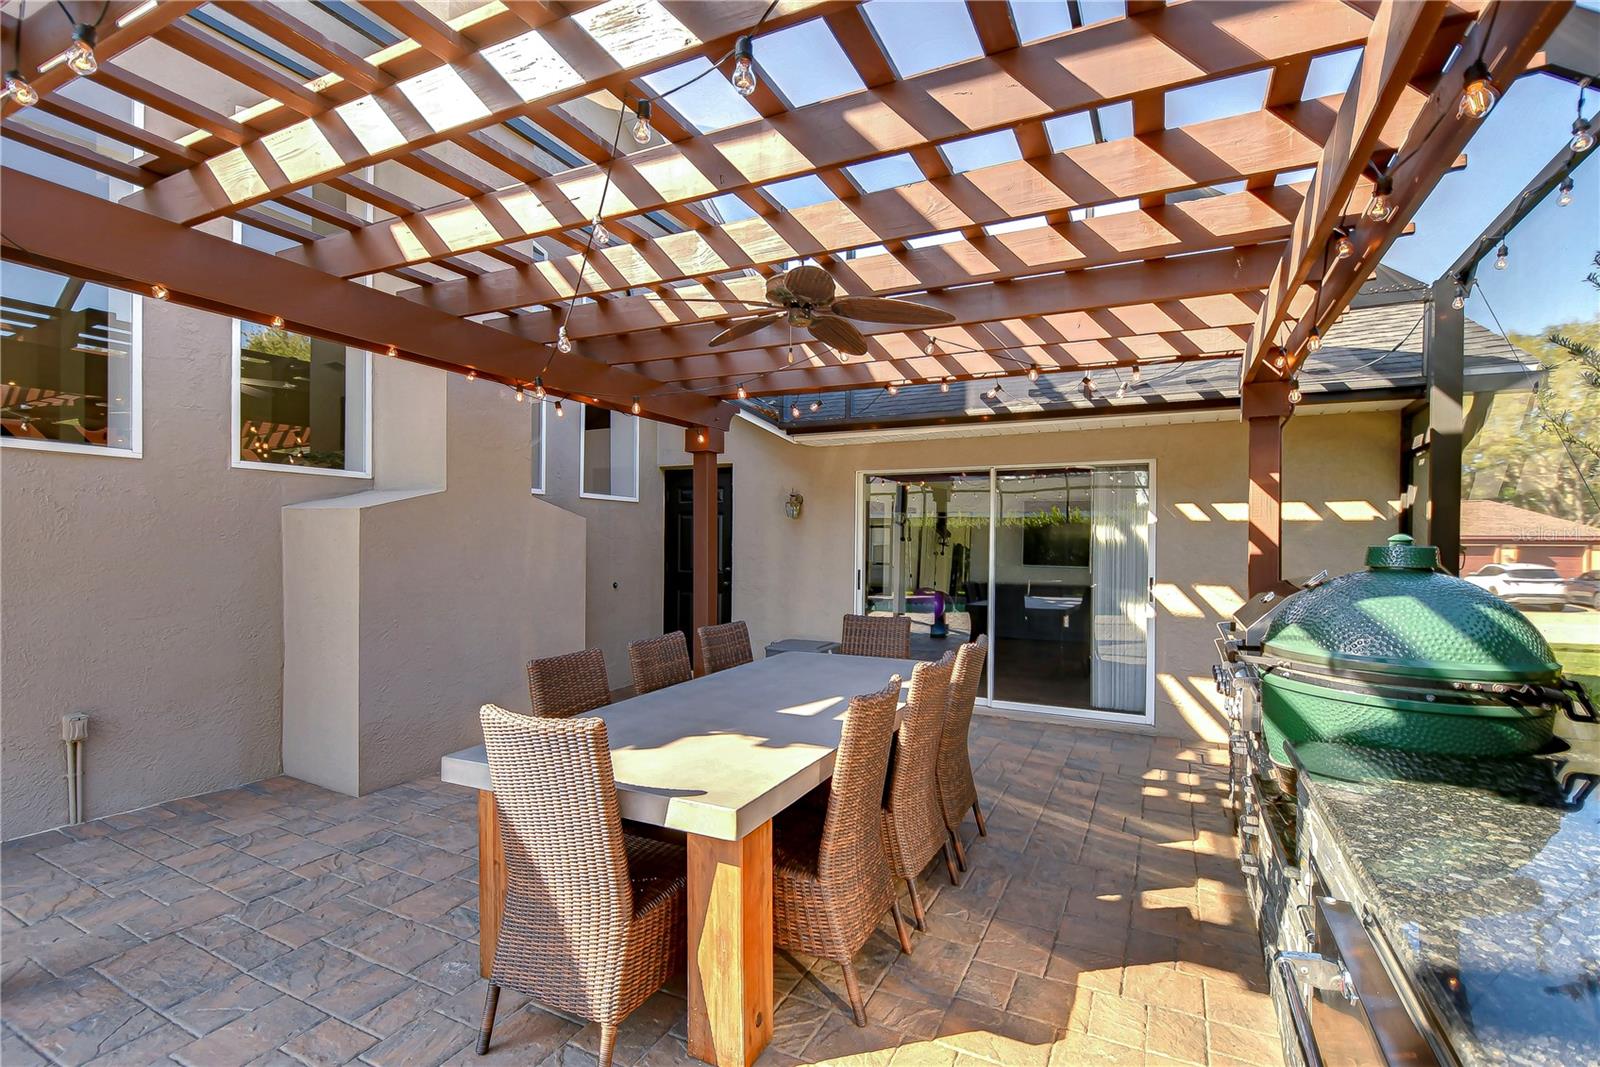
(1507, 35)
(1162, 280)
(76, 233)
(1401, 34)
(394, 122)
(1257, 143)
(1098, 64)
(45, 36)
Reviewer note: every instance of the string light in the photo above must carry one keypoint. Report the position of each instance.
(1134, 373)
(699, 437)
(563, 342)
(602, 236)
(1295, 396)
(277, 322)
(561, 412)
(17, 88)
(1460, 300)
(794, 411)
(1500, 256)
(1343, 247)
(744, 66)
(743, 393)
(944, 386)
(1033, 374)
(1381, 207)
(538, 388)
(79, 55)
(1314, 340)
(931, 348)
(994, 392)
(636, 408)
(1479, 94)
(816, 405)
(1582, 139)
(520, 397)
(1087, 384)
(1566, 192)
(641, 122)
(1278, 359)
(472, 375)
(392, 351)
(892, 389)
(159, 291)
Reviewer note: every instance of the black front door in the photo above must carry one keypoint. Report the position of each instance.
(678, 601)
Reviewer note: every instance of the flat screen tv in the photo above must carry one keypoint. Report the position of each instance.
(1052, 537)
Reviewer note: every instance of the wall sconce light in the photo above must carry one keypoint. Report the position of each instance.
(792, 506)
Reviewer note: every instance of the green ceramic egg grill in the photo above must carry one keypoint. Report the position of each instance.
(1404, 656)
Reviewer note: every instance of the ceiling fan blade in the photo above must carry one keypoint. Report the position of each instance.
(745, 328)
(895, 312)
(808, 285)
(839, 334)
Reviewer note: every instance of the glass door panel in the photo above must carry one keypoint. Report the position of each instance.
(927, 555)
(1070, 592)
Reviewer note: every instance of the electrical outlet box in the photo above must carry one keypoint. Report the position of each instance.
(75, 727)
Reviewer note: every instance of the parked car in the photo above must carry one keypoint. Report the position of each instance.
(1527, 585)
(1584, 590)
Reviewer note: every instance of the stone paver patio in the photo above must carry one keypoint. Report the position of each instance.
(280, 923)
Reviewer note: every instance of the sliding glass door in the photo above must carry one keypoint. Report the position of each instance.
(1053, 564)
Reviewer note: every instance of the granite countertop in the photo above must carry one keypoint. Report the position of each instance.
(1485, 881)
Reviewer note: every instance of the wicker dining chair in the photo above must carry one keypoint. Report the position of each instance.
(657, 662)
(724, 646)
(913, 824)
(563, 686)
(876, 635)
(594, 919)
(830, 878)
(957, 791)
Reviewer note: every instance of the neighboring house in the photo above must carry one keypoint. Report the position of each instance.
(1493, 532)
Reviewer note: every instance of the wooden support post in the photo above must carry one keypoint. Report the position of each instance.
(1265, 406)
(704, 445)
(1442, 349)
(491, 880)
(730, 947)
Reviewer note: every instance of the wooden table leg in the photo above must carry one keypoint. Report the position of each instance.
(730, 947)
(491, 880)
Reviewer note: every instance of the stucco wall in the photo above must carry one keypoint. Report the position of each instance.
(146, 592)
(796, 578)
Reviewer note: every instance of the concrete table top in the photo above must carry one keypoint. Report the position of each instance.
(722, 754)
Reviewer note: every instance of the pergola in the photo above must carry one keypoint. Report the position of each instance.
(506, 281)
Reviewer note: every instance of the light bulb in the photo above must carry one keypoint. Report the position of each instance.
(519, 394)
(1381, 207)
(944, 387)
(931, 348)
(277, 322)
(743, 393)
(159, 291)
(1460, 300)
(1582, 139)
(1088, 384)
(538, 388)
(79, 55)
(602, 236)
(18, 89)
(744, 67)
(472, 375)
(891, 389)
(1500, 256)
(635, 408)
(561, 412)
(699, 437)
(1134, 372)
(1479, 94)
(641, 123)
(1278, 360)
(563, 342)
(392, 351)
(816, 405)
(844, 357)
(1122, 390)
(794, 411)
(1566, 192)
(993, 393)
(1295, 395)
(1343, 247)
(1314, 339)
(1033, 374)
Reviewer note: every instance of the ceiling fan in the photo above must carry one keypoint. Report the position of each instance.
(804, 296)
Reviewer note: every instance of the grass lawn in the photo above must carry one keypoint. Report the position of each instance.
(1574, 636)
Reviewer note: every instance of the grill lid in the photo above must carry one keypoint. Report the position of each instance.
(1404, 616)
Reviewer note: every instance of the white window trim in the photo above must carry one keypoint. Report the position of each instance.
(365, 473)
(135, 363)
(583, 466)
(541, 407)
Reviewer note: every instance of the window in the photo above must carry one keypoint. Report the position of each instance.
(608, 454)
(69, 358)
(298, 401)
(538, 446)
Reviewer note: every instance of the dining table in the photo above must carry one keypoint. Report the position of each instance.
(715, 757)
